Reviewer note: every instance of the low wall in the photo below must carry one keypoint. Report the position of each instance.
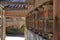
(33, 36)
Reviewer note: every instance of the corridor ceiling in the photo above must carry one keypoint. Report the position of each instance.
(16, 4)
(16, 7)
(12, 5)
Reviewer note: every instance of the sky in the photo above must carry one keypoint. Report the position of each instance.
(16, 0)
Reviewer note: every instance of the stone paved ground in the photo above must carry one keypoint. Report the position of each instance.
(14, 38)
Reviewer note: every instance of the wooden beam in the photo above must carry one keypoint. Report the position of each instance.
(16, 13)
(41, 2)
(15, 9)
(49, 2)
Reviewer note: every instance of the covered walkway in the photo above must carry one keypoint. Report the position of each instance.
(42, 19)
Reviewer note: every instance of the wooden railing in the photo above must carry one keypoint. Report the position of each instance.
(38, 21)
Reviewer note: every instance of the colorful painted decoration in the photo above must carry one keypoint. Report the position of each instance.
(20, 6)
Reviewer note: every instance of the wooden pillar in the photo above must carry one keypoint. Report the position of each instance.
(56, 11)
(3, 26)
(2, 23)
(25, 33)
